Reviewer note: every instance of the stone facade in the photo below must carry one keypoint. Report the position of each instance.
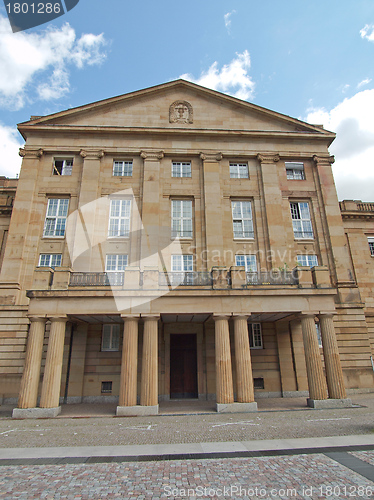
(153, 254)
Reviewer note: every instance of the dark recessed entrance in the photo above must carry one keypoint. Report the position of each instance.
(183, 366)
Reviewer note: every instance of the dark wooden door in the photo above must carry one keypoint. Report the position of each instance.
(183, 366)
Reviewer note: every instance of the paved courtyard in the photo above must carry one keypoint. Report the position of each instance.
(279, 452)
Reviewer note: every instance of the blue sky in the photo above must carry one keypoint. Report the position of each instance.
(312, 60)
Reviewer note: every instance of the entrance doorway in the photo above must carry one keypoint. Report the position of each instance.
(183, 366)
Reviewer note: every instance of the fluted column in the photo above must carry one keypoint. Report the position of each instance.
(334, 374)
(244, 378)
(149, 382)
(28, 394)
(53, 366)
(129, 364)
(224, 385)
(316, 378)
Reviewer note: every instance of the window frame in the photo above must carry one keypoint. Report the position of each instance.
(121, 229)
(318, 333)
(123, 172)
(180, 232)
(184, 267)
(239, 172)
(56, 218)
(241, 220)
(253, 343)
(249, 267)
(113, 343)
(50, 264)
(371, 245)
(294, 167)
(66, 170)
(177, 169)
(117, 269)
(301, 235)
(307, 257)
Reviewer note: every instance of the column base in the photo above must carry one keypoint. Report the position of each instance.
(36, 412)
(236, 407)
(136, 411)
(329, 403)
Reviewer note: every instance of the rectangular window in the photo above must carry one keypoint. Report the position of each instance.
(181, 218)
(110, 337)
(106, 387)
(181, 169)
(119, 218)
(182, 263)
(63, 166)
(50, 260)
(371, 245)
(295, 171)
(307, 260)
(242, 219)
(122, 168)
(55, 220)
(248, 261)
(302, 225)
(239, 171)
(255, 336)
(115, 262)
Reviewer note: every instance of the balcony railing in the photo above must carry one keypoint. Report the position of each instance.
(174, 279)
(97, 279)
(185, 279)
(274, 277)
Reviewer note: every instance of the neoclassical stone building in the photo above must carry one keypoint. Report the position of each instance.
(178, 243)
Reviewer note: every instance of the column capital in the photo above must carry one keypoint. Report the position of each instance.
(217, 317)
(241, 316)
(152, 155)
(149, 317)
(308, 315)
(134, 317)
(92, 154)
(211, 157)
(31, 153)
(32, 318)
(62, 318)
(268, 158)
(327, 314)
(323, 160)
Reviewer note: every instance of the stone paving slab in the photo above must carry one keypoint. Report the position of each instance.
(281, 477)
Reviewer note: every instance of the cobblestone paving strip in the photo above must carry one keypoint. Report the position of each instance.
(366, 456)
(282, 477)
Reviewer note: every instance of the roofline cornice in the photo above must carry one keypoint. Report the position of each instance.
(173, 131)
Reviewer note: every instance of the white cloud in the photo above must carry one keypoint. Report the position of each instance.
(24, 56)
(231, 79)
(368, 32)
(228, 20)
(10, 161)
(354, 144)
(363, 83)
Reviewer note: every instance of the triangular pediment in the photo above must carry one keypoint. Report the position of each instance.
(175, 105)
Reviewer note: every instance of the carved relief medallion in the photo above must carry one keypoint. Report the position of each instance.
(181, 112)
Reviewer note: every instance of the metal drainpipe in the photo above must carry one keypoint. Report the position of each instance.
(69, 363)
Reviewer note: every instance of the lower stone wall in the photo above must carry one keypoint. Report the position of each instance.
(354, 347)
(14, 326)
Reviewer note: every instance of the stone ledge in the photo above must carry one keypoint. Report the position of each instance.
(236, 407)
(136, 411)
(329, 403)
(36, 412)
